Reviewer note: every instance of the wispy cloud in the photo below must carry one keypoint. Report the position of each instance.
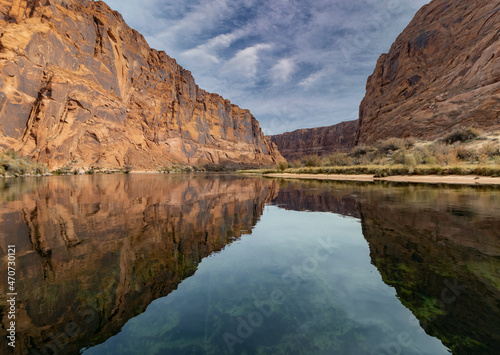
(293, 63)
(244, 63)
(283, 70)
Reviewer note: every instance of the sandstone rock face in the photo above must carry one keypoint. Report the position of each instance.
(316, 141)
(77, 85)
(442, 71)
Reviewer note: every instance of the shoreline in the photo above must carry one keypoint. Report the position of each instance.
(419, 179)
(415, 179)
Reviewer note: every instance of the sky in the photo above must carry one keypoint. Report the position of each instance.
(292, 63)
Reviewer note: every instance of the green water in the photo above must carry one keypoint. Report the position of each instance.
(155, 264)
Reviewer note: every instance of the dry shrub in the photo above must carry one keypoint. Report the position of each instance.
(340, 159)
(410, 142)
(461, 135)
(360, 150)
(444, 154)
(311, 160)
(466, 154)
(490, 149)
(483, 159)
(364, 160)
(423, 155)
(390, 145)
(405, 158)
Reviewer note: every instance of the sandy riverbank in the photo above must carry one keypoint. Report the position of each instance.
(424, 179)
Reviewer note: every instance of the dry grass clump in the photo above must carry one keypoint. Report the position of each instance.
(11, 164)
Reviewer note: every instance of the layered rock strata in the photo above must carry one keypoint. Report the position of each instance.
(79, 87)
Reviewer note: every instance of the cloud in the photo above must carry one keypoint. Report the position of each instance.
(306, 60)
(282, 71)
(244, 63)
(209, 50)
(313, 78)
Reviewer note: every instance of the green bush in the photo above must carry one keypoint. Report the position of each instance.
(282, 166)
(11, 164)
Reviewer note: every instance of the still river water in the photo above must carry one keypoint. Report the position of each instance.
(219, 264)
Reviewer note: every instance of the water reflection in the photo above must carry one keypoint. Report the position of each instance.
(94, 251)
(438, 246)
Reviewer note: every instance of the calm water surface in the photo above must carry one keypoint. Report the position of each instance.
(162, 264)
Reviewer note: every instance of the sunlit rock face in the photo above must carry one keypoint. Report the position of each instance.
(94, 251)
(78, 86)
(442, 71)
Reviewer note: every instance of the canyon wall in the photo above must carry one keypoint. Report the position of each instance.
(443, 71)
(79, 87)
(316, 141)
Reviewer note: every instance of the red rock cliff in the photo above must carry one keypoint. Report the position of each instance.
(442, 71)
(316, 141)
(78, 85)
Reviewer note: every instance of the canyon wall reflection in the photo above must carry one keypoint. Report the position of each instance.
(94, 251)
(439, 247)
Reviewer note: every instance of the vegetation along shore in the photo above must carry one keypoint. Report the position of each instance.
(463, 152)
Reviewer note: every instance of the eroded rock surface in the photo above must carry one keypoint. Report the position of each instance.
(77, 85)
(443, 71)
